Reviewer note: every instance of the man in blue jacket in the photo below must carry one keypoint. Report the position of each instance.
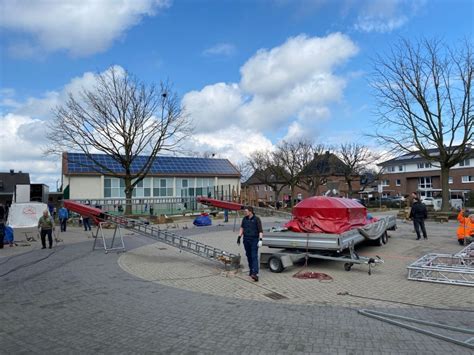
(251, 230)
(63, 217)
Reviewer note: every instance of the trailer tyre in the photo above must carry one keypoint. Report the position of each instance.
(347, 266)
(379, 241)
(275, 264)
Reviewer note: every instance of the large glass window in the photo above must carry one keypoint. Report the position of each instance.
(114, 187)
(465, 162)
(204, 186)
(143, 188)
(163, 187)
(425, 182)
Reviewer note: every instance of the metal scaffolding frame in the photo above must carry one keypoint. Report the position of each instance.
(456, 269)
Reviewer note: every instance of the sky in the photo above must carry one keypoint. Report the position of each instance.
(249, 73)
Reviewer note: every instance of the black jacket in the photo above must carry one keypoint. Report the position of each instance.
(251, 226)
(418, 211)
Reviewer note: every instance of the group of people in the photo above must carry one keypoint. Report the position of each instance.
(418, 213)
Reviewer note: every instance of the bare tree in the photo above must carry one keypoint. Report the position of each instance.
(244, 169)
(123, 118)
(425, 101)
(267, 172)
(312, 174)
(293, 157)
(356, 157)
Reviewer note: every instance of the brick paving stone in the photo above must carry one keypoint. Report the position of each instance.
(149, 300)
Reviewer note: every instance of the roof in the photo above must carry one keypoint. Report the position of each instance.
(78, 163)
(326, 164)
(9, 180)
(260, 177)
(416, 157)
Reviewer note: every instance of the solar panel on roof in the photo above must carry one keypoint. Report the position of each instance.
(81, 163)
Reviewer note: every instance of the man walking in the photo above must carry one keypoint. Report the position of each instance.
(46, 225)
(63, 217)
(418, 214)
(252, 232)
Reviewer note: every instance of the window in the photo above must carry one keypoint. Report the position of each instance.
(265, 188)
(385, 182)
(467, 178)
(425, 182)
(465, 162)
(398, 182)
(400, 168)
(450, 180)
(143, 188)
(390, 169)
(204, 186)
(424, 165)
(114, 187)
(162, 187)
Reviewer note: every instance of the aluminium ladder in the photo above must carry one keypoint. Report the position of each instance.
(230, 261)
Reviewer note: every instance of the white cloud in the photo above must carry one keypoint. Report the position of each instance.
(296, 80)
(232, 142)
(214, 106)
(79, 27)
(299, 60)
(385, 15)
(220, 49)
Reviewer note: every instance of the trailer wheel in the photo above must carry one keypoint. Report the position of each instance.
(379, 241)
(347, 266)
(275, 264)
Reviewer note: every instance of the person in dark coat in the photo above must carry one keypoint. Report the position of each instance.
(418, 214)
(252, 232)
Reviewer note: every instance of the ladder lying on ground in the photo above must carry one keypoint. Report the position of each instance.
(230, 261)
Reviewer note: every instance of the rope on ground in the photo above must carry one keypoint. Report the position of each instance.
(311, 274)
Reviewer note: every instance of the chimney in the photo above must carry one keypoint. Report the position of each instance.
(327, 152)
(12, 171)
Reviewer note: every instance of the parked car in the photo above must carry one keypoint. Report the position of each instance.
(428, 201)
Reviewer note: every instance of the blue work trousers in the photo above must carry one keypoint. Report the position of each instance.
(87, 223)
(251, 250)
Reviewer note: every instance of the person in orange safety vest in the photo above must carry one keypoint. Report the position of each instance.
(466, 226)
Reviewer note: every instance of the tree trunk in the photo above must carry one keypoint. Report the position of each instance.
(349, 188)
(293, 197)
(128, 196)
(446, 205)
(276, 195)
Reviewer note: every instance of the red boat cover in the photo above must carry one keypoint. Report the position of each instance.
(331, 215)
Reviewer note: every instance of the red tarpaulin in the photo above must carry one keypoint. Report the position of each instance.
(332, 215)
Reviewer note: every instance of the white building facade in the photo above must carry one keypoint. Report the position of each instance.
(169, 177)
